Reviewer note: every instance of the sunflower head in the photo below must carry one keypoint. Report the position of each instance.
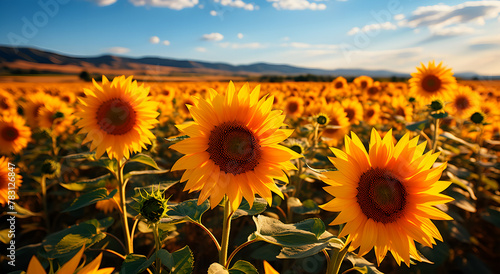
(153, 206)
(386, 196)
(431, 82)
(233, 147)
(14, 135)
(322, 119)
(478, 118)
(51, 168)
(117, 117)
(436, 105)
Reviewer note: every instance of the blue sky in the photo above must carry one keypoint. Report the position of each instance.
(391, 34)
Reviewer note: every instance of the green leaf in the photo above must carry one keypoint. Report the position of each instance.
(417, 125)
(131, 263)
(306, 207)
(450, 136)
(161, 186)
(21, 212)
(85, 185)
(259, 205)
(90, 198)
(183, 261)
(177, 139)
(144, 159)
(362, 262)
(492, 215)
(309, 231)
(243, 267)
(458, 231)
(439, 115)
(461, 200)
(145, 172)
(187, 211)
(111, 165)
(466, 185)
(84, 155)
(73, 238)
(363, 270)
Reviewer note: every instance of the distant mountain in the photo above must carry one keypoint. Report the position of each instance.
(35, 59)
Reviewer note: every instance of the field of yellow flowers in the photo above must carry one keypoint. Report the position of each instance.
(119, 176)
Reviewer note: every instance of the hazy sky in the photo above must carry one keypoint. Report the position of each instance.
(390, 34)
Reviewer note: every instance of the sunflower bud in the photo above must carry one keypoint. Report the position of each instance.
(51, 168)
(58, 115)
(297, 148)
(153, 206)
(477, 118)
(411, 99)
(322, 119)
(436, 105)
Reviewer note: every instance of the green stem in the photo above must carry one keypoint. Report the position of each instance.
(238, 249)
(157, 247)
(336, 259)
(435, 135)
(479, 168)
(44, 202)
(123, 205)
(210, 234)
(226, 228)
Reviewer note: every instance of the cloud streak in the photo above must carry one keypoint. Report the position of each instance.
(171, 4)
(297, 5)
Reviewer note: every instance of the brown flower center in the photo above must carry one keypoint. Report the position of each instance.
(462, 103)
(292, 107)
(370, 113)
(10, 133)
(116, 116)
(339, 85)
(431, 83)
(234, 148)
(364, 84)
(3, 103)
(350, 113)
(381, 195)
(373, 91)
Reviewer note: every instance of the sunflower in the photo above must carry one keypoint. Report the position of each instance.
(432, 82)
(117, 117)
(182, 103)
(363, 82)
(294, 106)
(463, 102)
(353, 110)
(386, 197)
(340, 83)
(7, 103)
(233, 147)
(14, 135)
(402, 107)
(4, 181)
(338, 125)
(33, 105)
(56, 115)
(372, 114)
(35, 267)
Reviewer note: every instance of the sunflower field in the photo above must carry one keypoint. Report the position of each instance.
(121, 176)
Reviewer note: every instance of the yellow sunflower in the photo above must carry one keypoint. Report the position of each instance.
(5, 180)
(372, 114)
(363, 82)
(56, 115)
(35, 267)
(338, 125)
(463, 102)
(117, 117)
(32, 107)
(233, 147)
(340, 83)
(353, 110)
(7, 103)
(294, 106)
(386, 197)
(402, 107)
(14, 135)
(432, 82)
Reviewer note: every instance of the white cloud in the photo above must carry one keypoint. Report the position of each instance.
(117, 50)
(166, 43)
(213, 13)
(296, 5)
(102, 3)
(300, 45)
(236, 4)
(171, 4)
(215, 36)
(452, 31)
(372, 27)
(440, 17)
(154, 40)
(200, 49)
(399, 17)
(240, 35)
